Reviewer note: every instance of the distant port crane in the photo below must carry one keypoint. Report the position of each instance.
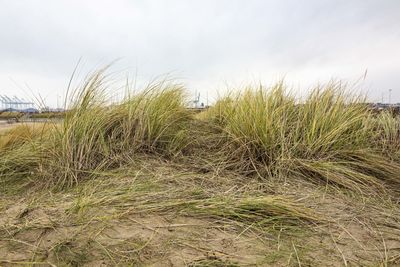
(15, 104)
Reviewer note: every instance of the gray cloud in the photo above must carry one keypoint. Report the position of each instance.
(205, 42)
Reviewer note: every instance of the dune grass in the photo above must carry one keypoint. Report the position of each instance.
(388, 134)
(330, 136)
(95, 135)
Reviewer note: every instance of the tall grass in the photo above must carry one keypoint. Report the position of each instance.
(330, 136)
(96, 135)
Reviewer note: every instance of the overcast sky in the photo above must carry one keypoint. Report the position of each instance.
(207, 44)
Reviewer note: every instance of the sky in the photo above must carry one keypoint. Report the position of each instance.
(208, 45)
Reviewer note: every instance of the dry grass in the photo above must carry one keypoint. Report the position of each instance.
(17, 135)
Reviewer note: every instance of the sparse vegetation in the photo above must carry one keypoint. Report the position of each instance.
(261, 178)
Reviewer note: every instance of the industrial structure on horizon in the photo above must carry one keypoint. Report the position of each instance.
(15, 104)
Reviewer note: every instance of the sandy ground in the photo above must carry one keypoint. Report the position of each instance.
(138, 216)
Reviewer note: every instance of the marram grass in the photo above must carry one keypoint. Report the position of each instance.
(95, 135)
(328, 136)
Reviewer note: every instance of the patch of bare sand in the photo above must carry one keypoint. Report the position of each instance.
(153, 240)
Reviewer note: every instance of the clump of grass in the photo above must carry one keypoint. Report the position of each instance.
(95, 135)
(22, 134)
(263, 210)
(329, 136)
(22, 152)
(155, 120)
(388, 134)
